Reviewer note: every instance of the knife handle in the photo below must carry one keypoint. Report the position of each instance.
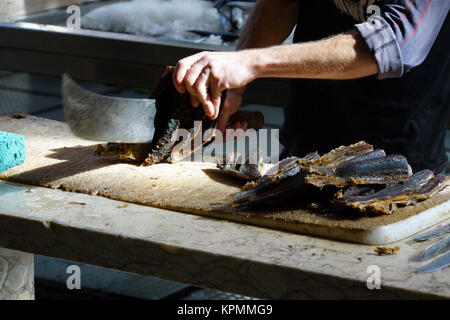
(255, 119)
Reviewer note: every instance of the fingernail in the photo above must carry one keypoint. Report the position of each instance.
(210, 110)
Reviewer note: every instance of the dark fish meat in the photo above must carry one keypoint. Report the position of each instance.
(173, 112)
(357, 164)
(366, 179)
(419, 187)
(281, 182)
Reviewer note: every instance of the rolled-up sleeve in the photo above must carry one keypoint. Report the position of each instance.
(401, 36)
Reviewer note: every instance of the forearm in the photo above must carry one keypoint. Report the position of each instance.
(270, 23)
(343, 56)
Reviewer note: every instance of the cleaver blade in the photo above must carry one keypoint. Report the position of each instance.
(100, 118)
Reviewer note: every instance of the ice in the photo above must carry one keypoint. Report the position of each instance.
(166, 19)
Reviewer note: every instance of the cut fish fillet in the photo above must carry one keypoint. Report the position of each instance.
(419, 187)
(367, 179)
(283, 181)
(357, 164)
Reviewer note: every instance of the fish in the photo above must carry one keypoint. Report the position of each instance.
(357, 164)
(419, 187)
(363, 178)
(173, 112)
(175, 116)
(281, 182)
(247, 167)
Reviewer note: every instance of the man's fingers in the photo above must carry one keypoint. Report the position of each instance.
(179, 86)
(197, 70)
(215, 94)
(230, 106)
(216, 108)
(178, 76)
(201, 88)
(194, 100)
(222, 123)
(182, 68)
(208, 92)
(236, 125)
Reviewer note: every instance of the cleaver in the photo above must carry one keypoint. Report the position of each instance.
(96, 117)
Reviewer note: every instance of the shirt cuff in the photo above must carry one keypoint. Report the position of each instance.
(383, 44)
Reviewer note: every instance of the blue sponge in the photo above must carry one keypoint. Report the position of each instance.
(12, 150)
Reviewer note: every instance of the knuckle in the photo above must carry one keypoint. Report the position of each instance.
(180, 64)
(214, 75)
(206, 72)
(198, 91)
(205, 58)
(190, 81)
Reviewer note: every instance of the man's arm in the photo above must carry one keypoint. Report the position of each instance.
(344, 56)
(400, 40)
(270, 23)
(403, 34)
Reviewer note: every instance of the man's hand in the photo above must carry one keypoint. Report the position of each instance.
(206, 75)
(231, 105)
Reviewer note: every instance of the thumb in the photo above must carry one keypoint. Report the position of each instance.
(231, 104)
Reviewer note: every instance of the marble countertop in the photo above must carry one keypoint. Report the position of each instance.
(206, 252)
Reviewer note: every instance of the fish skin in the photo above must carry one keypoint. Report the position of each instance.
(282, 182)
(267, 183)
(342, 154)
(419, 187)
(378, 170)
(357, 164)
(173, 111)
(378, 183)
(285, 190)
(383, 168)
(247, 167)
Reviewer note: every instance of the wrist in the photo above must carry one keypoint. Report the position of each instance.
(250, 62)
(259, 62)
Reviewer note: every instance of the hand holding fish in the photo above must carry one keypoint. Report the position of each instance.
(206, 75)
